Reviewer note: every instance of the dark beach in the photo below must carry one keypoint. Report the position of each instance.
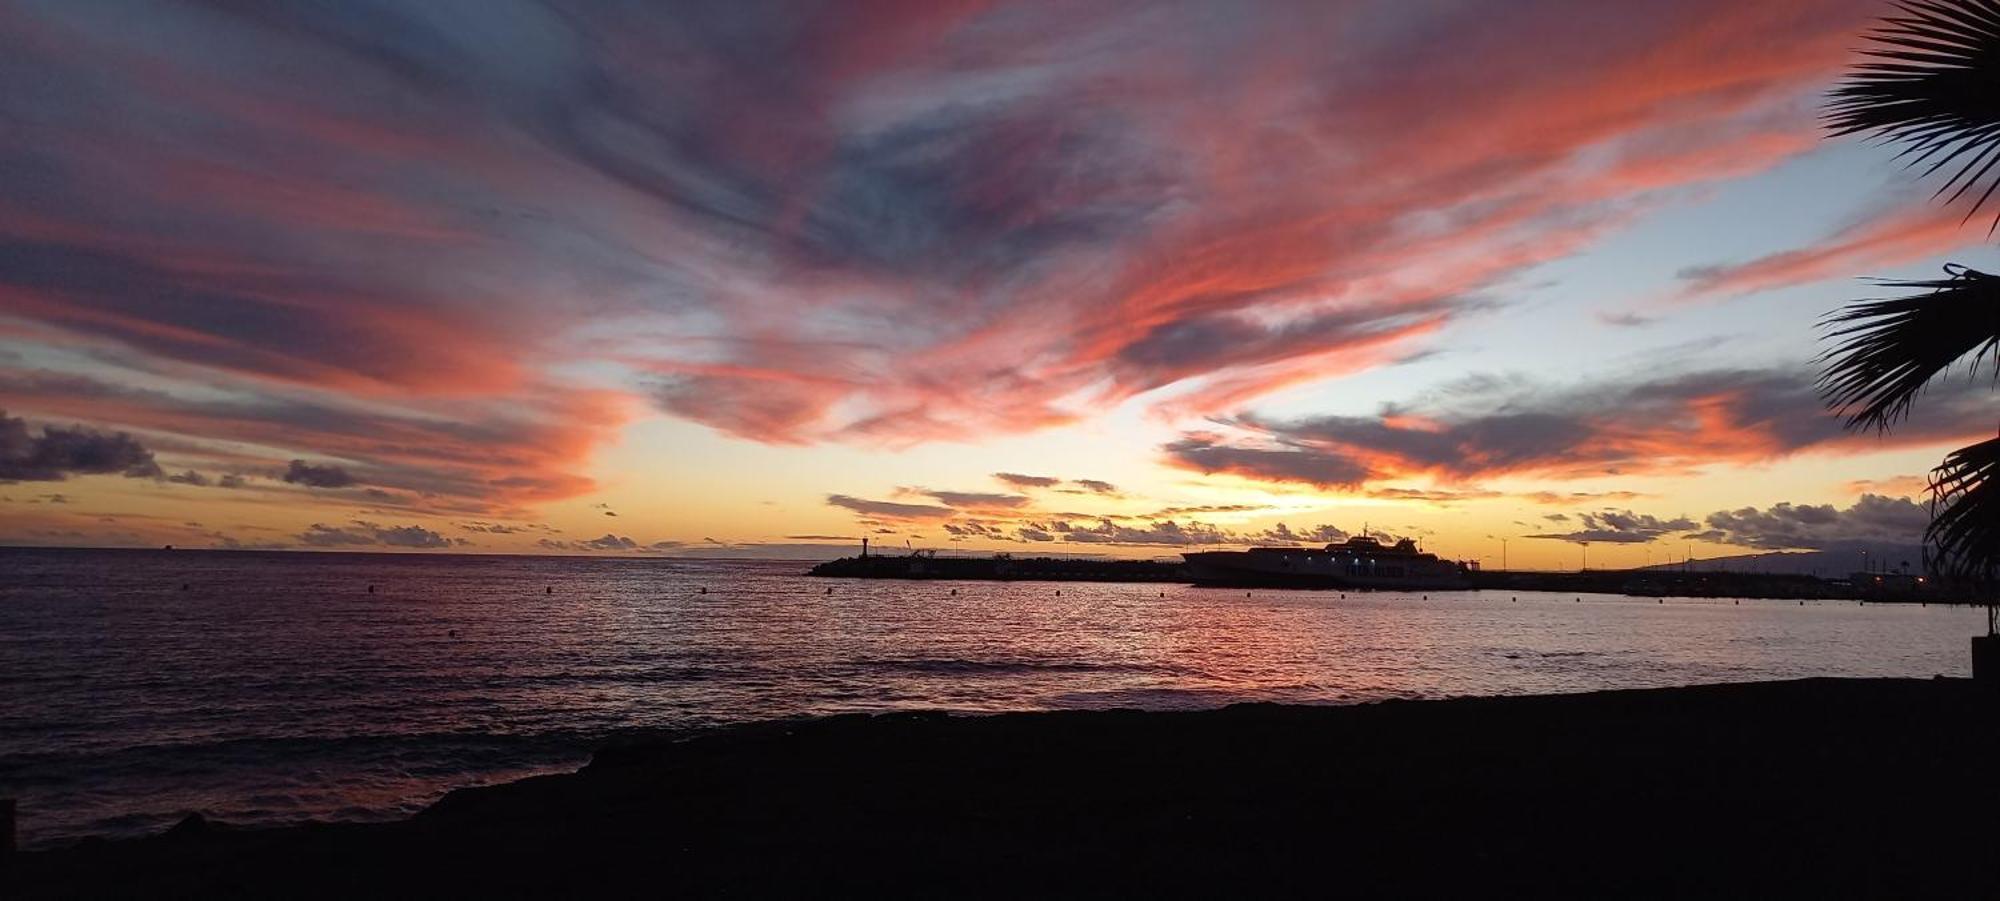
(1821, 786)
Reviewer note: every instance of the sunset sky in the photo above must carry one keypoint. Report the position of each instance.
(763, 278)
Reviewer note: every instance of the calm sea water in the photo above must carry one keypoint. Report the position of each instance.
(275, 687)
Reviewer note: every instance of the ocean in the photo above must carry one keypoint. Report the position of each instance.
(264, 688)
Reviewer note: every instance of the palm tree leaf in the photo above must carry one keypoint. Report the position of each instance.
(1935, 88)
(1963, 540)
(1886, 351)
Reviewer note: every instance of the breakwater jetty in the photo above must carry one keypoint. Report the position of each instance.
(1634, 582)
(1001, 567)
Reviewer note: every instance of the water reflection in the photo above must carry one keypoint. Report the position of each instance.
(279, 687)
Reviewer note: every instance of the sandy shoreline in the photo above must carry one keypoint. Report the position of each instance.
(1819, 785)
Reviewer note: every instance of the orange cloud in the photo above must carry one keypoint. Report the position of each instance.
(888, 224)
(1669, 425)
(1893, 486)
(1907, 236)
(489, 458)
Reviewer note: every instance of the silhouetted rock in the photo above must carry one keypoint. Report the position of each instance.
(190, 826)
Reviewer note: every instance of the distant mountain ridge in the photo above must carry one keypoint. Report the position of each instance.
(1827, 563)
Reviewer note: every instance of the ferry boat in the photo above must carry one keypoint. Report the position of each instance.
(1360, 562)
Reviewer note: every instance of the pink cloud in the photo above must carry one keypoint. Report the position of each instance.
(1673, 424)
(886, 225)
(1906, 236)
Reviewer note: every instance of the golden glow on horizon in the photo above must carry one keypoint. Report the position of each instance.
(701, 498)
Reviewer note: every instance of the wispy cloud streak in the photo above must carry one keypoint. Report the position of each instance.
(929, 220)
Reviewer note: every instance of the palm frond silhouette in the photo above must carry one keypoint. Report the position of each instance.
(1931, 83)
(1930, 86)
(1968, 503)
(1887, 351)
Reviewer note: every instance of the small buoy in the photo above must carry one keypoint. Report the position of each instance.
(1246, 594)
(371, 589)
(829, 591)
(1802, 603)
(548, 589)
(184, 586)
(1058, 592)
(453, 633)
(1661, 601)
(703, 589)
(954, 592)
(1737, 603)
(1427, 597)
(1163, 594)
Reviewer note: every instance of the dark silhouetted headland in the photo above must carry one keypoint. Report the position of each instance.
(1869, 787)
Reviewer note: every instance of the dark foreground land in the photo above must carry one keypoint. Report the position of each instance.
(1871, 787)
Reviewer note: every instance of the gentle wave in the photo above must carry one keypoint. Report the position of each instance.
(276, 688)
(1002, 667)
